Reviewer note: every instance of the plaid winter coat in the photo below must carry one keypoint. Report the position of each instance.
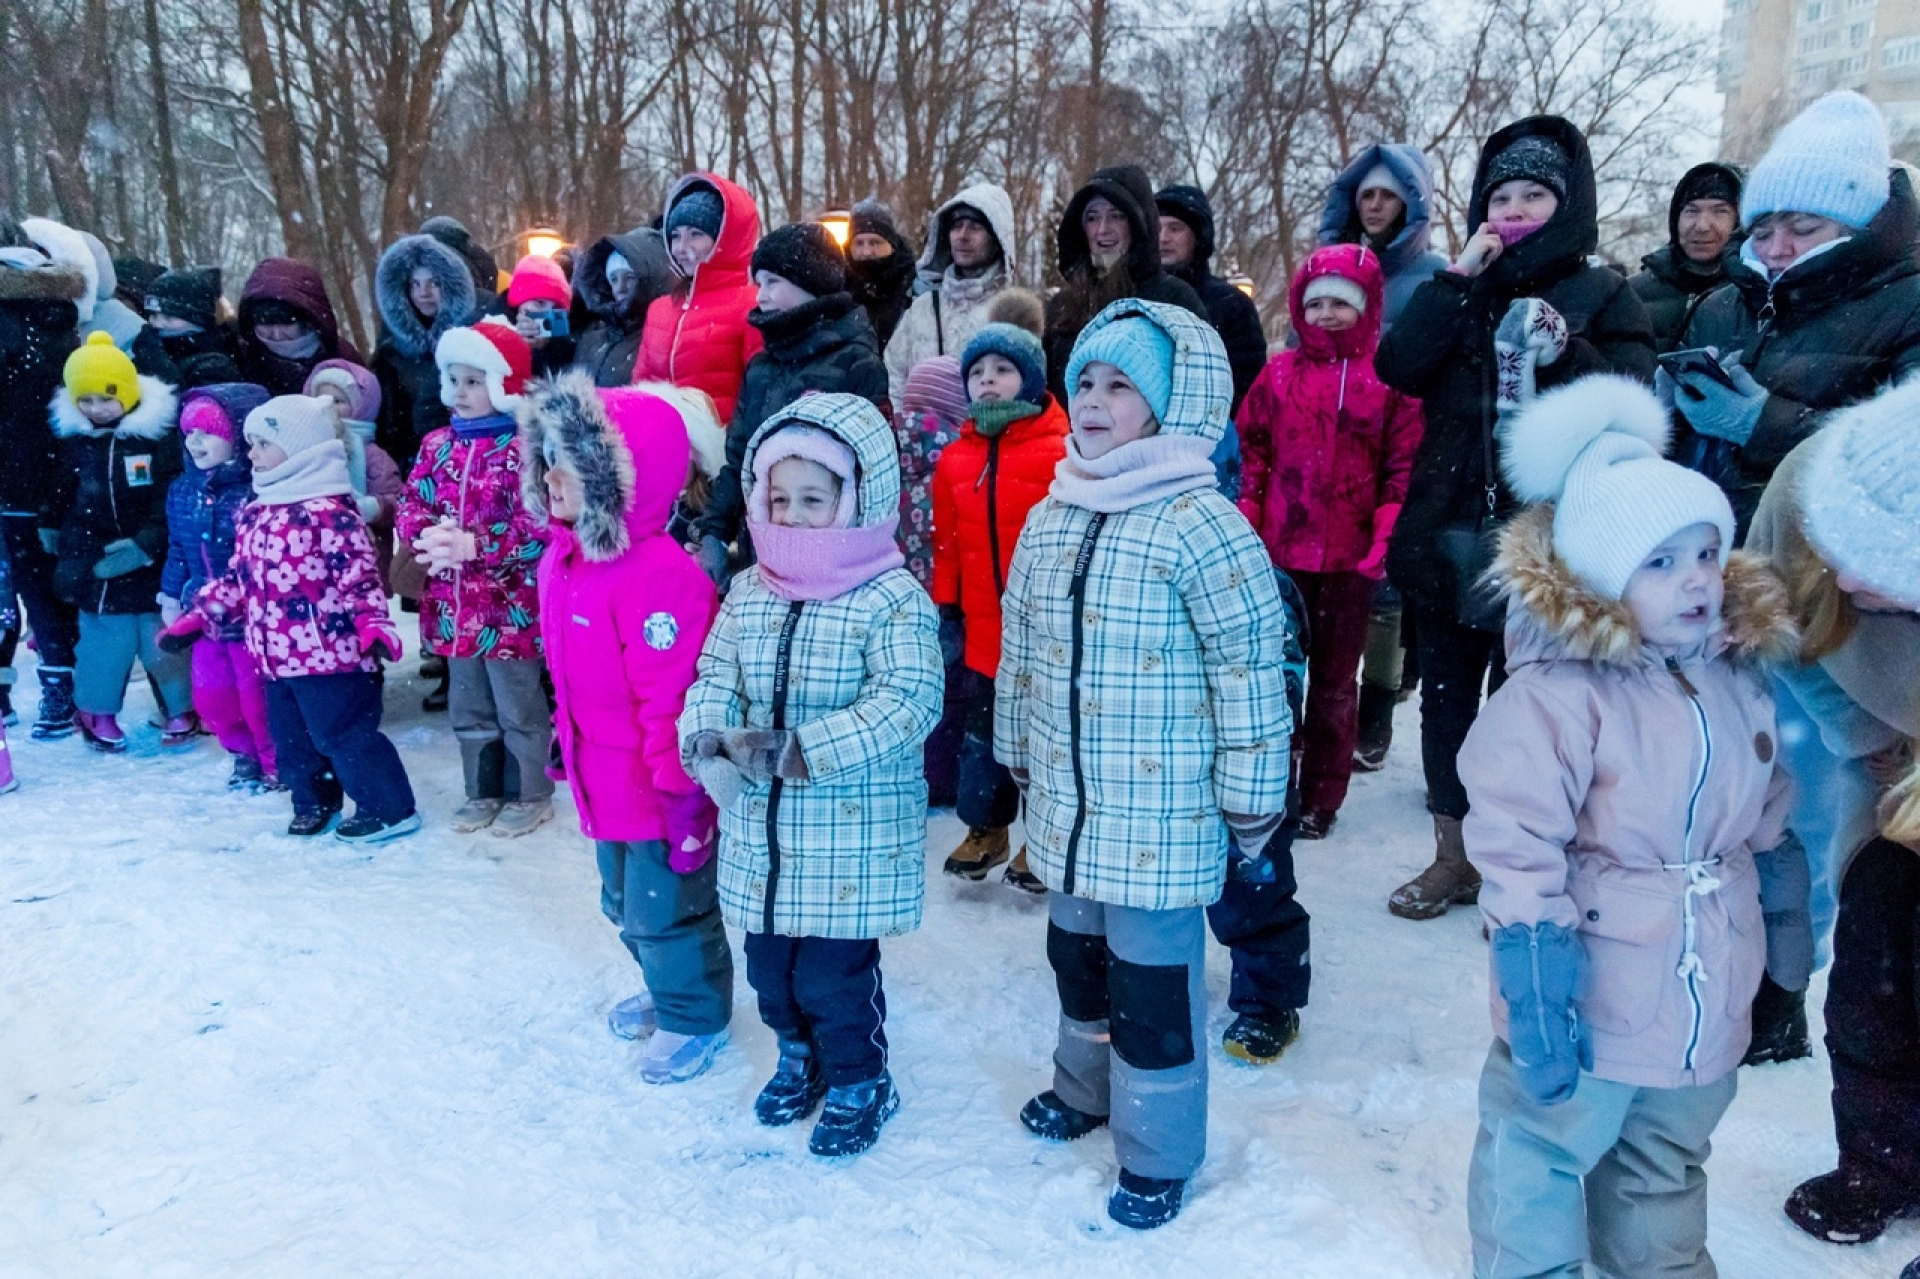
(1142, 682)
(842, 853)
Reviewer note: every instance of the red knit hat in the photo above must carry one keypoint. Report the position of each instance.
(493, 347)
(538, 279)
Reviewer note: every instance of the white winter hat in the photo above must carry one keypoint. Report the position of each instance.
(295, 422)
(705, 434)
(1593, 448)
(1831, 159)
(1335, 286)
(1381, 178)
(1861, 492)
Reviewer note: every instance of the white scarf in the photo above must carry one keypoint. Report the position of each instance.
(1134, 474)
(320, 471)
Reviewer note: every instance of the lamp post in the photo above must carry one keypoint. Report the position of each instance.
(544, 241)
(838, 223)
(1242, 281)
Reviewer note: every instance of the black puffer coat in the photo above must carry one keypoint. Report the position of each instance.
(823, 345)
(39, 327)
(410, 403)
(109, 485)
(1670, 284)
(883, 288)
(606, 350)
(1828, 333)
(1129, 190)
(1441, 351)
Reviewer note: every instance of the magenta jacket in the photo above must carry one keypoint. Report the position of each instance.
(626, 608)
(489, 606)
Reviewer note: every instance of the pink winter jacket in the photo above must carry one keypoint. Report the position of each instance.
(627, 609)
(1626, 796)
(488, 606)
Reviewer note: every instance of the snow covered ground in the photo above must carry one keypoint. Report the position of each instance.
(226, 1052)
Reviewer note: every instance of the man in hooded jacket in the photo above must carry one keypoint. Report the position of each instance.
(1703, 219)
(1186, 250)
(968, 259)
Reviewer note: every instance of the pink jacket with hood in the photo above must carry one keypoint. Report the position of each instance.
(1625, 795)
(626, 609)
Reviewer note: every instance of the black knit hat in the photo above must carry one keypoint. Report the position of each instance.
(803, 254)
(1191, 206)
(1531, 158)
(1709, 182)
(870, 217)
(190, 293)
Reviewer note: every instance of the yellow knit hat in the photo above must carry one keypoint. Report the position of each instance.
(101, 368)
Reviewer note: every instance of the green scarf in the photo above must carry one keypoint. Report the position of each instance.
(991, 417)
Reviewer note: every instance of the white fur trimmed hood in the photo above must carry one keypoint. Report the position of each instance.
(156, 414)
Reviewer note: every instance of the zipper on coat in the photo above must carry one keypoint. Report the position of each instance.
(992, 476)
(1077, 599)
(782, 662)
(113, 505)
(466, 470)
(1699, 879)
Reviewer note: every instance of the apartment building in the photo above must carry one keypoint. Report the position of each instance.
(1778, 55)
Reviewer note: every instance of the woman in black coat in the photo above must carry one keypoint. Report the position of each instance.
(1523, 302)
(423, 288)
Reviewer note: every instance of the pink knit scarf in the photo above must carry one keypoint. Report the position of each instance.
(1133, 474)
(823, 563)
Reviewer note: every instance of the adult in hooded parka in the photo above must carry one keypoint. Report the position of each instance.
(1824, 311)
(1523, 284)
(481, 265)
(618, 277)
(1702, 220)
(286, 326)
(1383, 200)
(968, 259)
(423, 289)
(1109, 248)
(697, 335)
(100, 310)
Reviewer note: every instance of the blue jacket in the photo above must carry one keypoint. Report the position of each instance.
(201, 509)
(1407, 260)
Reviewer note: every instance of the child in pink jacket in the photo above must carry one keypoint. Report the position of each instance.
(1628, 819)
(462, 516)
(631, 610)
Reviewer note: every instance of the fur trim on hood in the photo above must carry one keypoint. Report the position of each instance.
(1553, 616)
(155, 414)
(457, 295)
(54, 282)
(568, 415)
(69, 248)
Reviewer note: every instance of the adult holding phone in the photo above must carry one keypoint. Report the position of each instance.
(1824, 308)
(538, 300)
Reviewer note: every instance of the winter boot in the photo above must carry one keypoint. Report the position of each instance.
(1376, 727)
(179, 730)
(795, 1089)
(1451, 880)
(364, 829)
(436, 698)
(1259, 1041)
(1021, 877)
(1779, 1025)
(246, 773)
(8, 716)
(8, 781)
(310, 822)
(1047, 1116)
(101, 731)
(56, 718)
(984, 848)
(673, 1058)
(1912, 1271)
(1316, 823)
(633, 1017)
(1849, 1206)
(1142, 1203)
(851, 1121)
(475, 814)
(522, 817)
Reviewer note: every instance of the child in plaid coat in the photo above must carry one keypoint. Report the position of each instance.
(1141, 707)
(817, 686)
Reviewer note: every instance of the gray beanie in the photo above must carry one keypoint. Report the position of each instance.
(1861, 492)
(1533, 158)
(700, 208)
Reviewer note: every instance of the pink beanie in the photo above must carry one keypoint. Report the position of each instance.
(538, 279)
(811, 444)
(204, 414)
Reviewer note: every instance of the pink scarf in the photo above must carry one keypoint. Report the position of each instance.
(1134, 474)
(823, 563)
(1511, 233)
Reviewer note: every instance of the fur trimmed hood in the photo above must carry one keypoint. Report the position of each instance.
(600, 433)
(151, 419)
(457, 296)
(1552, 616)
(53, 282)
(68, 247)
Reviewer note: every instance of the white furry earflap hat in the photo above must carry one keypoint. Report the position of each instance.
(1593, 448)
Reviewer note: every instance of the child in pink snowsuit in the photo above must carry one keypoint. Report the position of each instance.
(228, 690)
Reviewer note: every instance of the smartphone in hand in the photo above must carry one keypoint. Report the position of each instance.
(1696, 362)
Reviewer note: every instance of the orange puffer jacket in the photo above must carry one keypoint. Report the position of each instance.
(982, 491)
(698, 334)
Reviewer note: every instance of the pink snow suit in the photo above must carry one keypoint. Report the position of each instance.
(488, 607)
(627, 610)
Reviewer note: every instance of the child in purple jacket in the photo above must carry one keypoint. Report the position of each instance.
(229, 691)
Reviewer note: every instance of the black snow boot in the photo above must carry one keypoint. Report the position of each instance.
(309, 822)
(246, 772)
(795, 1089)
(1779, 1025)
(1047, 1116)
(1912, 1271)
(851, 1121)
(1376, 727)
(56, 706)
(1848, 1206)
(1260, 1040)
(1142, 1203)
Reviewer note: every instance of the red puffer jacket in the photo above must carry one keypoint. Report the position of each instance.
(982, 491)
(1326, 446)
(698, 334)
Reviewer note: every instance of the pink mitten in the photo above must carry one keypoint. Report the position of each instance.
(1374, 566)
(692, 830)
(180, 635)
(377, 638)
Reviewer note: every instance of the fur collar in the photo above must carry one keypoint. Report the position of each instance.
(569, 415)
(151, 419)
(54, 282)
(414, 338)
(1569, 621)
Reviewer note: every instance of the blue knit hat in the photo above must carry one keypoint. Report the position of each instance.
(700, 208)
(1138, 348)
(1017, 345)
(1831, 159)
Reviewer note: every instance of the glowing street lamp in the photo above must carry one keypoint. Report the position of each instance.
(1242, 282)
(838, 223)
(544, 241)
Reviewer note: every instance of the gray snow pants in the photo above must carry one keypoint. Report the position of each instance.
(1614, 1175)
(109, 643)
(1133, 1008)
(670, 924)
(499, 712)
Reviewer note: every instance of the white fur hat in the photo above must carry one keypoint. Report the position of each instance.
(1593, 448)
(705, 433)
(1861, 492)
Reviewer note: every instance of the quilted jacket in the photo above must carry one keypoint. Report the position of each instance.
(698, 334)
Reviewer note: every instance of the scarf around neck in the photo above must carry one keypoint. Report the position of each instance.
(991, 417)
(823, 563)
(480, 428)
(1160, 466)
(304, 347)
(320, 471)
